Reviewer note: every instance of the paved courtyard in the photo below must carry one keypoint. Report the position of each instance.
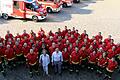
(101, 15)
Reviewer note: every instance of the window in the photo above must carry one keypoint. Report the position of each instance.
(28, 6)
(16, 5)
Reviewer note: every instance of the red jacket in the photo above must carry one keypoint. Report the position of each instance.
(9, 54)
(2, 51)
(88, 51)
(92, 58)
(83, 54)
(75, 58)
(51, 50)
(102, 62)
(65, 56)
(97, 37)
(25, 35)
(76, 35)
(32, 58)
(25, 50)
(72, 40)
(98, 55)
(18, 50)
(112, 65)
(18, 36)
(8, 36)
(1, 40)
(111, 54)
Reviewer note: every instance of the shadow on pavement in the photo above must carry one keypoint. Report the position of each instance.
(66, 13)
(2, 21)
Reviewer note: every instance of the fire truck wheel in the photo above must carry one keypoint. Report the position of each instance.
(35, 18)
(64, 5)
(49, 10)
(5, 16)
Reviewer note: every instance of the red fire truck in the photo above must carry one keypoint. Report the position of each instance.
(52, 5)
(67, 3)
(22, 9)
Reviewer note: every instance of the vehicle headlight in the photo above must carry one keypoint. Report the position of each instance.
(41, 12)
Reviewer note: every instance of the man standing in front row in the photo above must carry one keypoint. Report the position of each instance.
(57, 60)
(44, 61)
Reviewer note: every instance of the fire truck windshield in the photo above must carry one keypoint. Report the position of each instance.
(56, 1)
(35, 6)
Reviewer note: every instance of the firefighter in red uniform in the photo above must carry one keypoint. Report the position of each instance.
(52, 48)
(64, 31)
(68, 34)
(99, 53)
(76, 44)
(51, 33)
(41, 34)
(8, 35)
(50, 41)
(18, 36)
(72, 39)
(107, 40)
(83, 35)
(83, 56)
(73, 30)
(25, 34)
(59, 32)
(85, 43)
(65, 54)
(32, 61)
(31, 42)
(99, 36)
(67, 43)
(94, 44)
(2, 52)
(2, 61)
(70, 48)
(112, 65)
(102, 63)
(60, 46)
(110, 44)
(75, 60)
(25, 40)
(33, 35)
(111, 53)
(18, 52)
(76, 34)
(1, 40)
(25, 50)
(89, 50)
(92, 60)
(10, 57)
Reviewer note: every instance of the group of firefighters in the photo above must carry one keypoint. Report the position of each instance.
(78, 51)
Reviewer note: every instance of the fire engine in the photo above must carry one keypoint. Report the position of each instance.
(51, 5)
(67, 3)
(22, 9)
(76, 1)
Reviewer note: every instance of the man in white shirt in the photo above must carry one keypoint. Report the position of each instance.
(44, 60)
(57, 60)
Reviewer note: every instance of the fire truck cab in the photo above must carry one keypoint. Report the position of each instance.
(51, 5)
(67, 3)
(22, 9)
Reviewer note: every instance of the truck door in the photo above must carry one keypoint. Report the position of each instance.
(18, 9)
